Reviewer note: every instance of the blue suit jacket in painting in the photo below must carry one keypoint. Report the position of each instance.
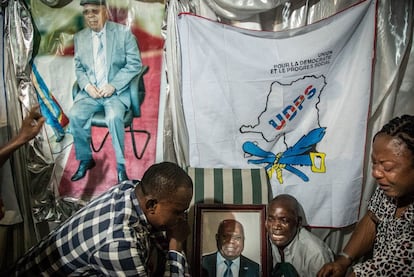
(123, 59)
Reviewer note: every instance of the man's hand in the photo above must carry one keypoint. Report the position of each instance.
(177, 235)
(93, 91)
(107, 90)
(338, 268)
(31, 125)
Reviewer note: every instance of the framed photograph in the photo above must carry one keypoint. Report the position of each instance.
(230, 232)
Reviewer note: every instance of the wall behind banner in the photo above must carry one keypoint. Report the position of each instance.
(53, 56)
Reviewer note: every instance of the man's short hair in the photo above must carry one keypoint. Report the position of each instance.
(163, 180)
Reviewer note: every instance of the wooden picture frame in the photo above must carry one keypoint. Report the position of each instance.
(207, 219)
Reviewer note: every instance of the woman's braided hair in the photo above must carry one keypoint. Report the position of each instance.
(401, 127)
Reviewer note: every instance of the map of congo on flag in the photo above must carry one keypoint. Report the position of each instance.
(294, 102)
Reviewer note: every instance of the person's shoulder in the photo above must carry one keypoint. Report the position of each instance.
(118, 192)
(111, 25)
(82, 32)
(310, 240)
(248, 267)
(381, 205)
(312, 247)
(208, 259)
(244, 259)
(379, 198)
(305, 233)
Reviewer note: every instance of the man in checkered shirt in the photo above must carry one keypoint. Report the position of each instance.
(134, 229)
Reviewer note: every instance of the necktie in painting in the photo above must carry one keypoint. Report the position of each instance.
(100, 63)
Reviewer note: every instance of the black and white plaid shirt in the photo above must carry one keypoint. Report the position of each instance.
(109, 237)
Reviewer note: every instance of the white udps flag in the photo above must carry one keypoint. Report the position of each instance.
(294, 102)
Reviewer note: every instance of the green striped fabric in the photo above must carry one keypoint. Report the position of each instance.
(230, 186)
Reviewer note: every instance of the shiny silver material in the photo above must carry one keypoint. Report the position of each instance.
(20, 36)
(18, 43)
(241, 9)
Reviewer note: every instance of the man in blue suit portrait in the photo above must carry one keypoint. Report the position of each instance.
(106, 59)
(228, 261)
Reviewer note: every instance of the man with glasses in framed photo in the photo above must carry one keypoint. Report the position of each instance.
(106, 58)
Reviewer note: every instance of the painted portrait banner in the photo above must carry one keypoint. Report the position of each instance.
(55, 82)
(294, 102)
